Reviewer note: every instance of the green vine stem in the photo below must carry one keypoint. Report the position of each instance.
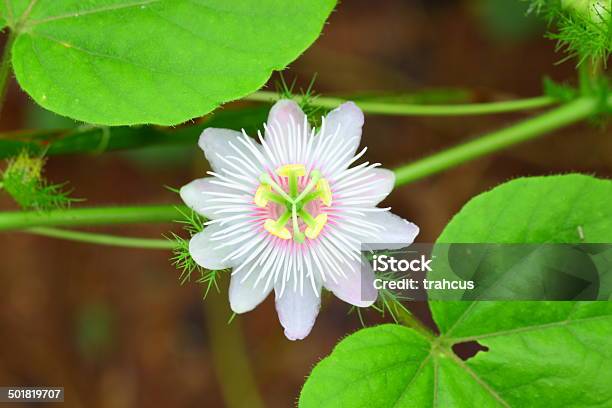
(406, 318)
(402, 109)
(102, 239)
(91, 216)
(531, 128)
(229, 354)
(91, 139)
(567, 114)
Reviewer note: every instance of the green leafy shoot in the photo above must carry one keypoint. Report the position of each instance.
(584, 27)
(597, 87)
(23, 180)
(582, 37)
(305, 98)
(559, 91)
(182, 260)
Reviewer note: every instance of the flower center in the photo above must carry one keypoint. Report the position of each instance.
(294, 202)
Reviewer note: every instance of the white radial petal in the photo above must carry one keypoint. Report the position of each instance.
(376, 185)
(225, 152)
(398, 232)
(244, 296)
(286, 130)
(206, 197)
(284, 112)
(344, 124)
(208, 253)
(357, 286)
(297, 308)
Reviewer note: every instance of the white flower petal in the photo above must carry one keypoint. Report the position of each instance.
(347, 119)
(207, 253)
(217, 143)
(286, 112)
(286, 129)
(297, 311)
(398, 232)
(357, 287)
(244, 296)
(202, 196)
(377, 185)
(382, 184)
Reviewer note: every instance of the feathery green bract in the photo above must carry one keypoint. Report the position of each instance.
(389, 302)
(584, 27)
(182, 259)
(559, 91)
(24, 182)
(313, 112)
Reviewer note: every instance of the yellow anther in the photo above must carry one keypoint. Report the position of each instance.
(314, 231)
(261, 199)
(298, 170)
(273, 228)
(325, 191)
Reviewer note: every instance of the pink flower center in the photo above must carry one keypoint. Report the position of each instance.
(295, 202)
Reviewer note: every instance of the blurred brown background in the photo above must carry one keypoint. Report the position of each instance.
(114, 327)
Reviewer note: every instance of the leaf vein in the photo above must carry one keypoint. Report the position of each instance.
(413, 379)
(528, 328)
(92, 11)
(479, 380)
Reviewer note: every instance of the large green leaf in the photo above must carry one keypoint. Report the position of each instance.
(122, 62)
(537, 211)
(540, 354)
(562, 209)
(374, 367)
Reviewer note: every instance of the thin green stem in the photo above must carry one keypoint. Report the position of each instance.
(5, 67)
(567, 114)
(102, 239)
(90, 216)
(405, 109)
(531, 128)
(230, 360)
(90, 139)
(406, 318)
